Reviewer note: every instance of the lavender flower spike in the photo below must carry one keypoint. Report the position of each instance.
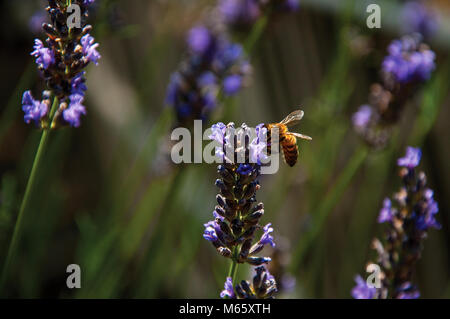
(214, 63)
(236, 216)
(410, 214)
(233, 232)
(409, 63)
(61, 60)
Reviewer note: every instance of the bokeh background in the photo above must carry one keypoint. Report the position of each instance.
(109, 199)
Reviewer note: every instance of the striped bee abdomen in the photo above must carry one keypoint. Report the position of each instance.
(290, 149)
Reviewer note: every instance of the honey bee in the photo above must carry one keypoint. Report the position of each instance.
(288, 140)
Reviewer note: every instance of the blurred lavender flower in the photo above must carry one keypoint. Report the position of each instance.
(408, 220)
(386, 212)
(408, 65)
(408, 61)
(292, 5)
(420, 18)
(61, 60)
(362, 118)
(214, 64)
(263, 286)
(362, 290)
(242, 14)
(232, 84)
(199, 39)
(36, 21)
(411, 158)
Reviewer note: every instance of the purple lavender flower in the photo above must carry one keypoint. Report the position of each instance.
(417, 17)
(411, 214)
(292, 5)
(210, 231)
(218, 132)
(386, 213)
(34, 110)
(36, 21)
(78, 84)
(90, 48)
(362, 290)
(362, 117)
(213, 63)
(243, 14)
(232, 84)
(227, 57)
(266, 238)
(258, 146)
(224, 135)
(207, 79)
(409, 64)
(240, 12)
(199, 39)
(72, 114)
(62, 59)
(407, 291)
(426, 212)
(408, 61)
(228, 289)
(411, 158)
(235, 226)
(44, 56)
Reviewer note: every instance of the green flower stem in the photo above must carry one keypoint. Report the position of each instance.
(234, 265)
(256, 33)
(26, 199)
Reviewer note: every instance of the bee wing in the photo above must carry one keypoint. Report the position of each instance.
(293, 118)
(305, 137)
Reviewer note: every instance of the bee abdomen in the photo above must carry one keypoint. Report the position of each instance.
(290, 151)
